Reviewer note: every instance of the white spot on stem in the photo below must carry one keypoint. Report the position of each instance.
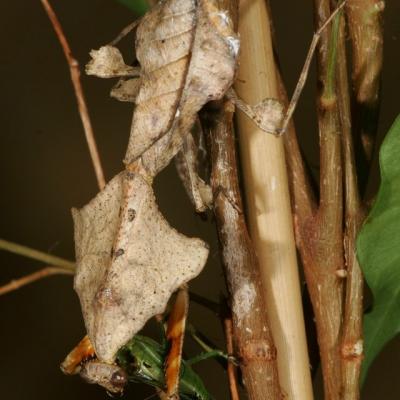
(358, 347)
(243, 300)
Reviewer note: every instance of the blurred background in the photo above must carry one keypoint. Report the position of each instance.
(46, 170)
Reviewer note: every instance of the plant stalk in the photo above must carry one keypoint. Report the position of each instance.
(268, 203)
(37, 255)
(320, 232)
(351, 343)
(252, 333)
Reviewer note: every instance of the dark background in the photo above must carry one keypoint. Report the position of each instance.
(46, 170)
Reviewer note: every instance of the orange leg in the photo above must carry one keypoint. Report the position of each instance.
(82, 352)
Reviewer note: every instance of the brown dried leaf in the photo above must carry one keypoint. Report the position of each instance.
(129, 260)
(188, 56)
(107, 62)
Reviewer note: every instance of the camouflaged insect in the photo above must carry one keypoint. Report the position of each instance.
(129, 259)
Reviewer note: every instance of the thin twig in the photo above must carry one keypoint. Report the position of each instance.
(36, 255)
(304, 73)
(231, 368)
(75, 77)
(35, 276)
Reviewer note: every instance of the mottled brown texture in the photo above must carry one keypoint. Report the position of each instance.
(128, 269)
(252, 335)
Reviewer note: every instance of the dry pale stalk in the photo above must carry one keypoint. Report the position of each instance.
(252, 334)
(269, 214)
(366, 33)
(76, 81)
(36, 255)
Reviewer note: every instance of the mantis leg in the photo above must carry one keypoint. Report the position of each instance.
(80, 353)
(268, 115)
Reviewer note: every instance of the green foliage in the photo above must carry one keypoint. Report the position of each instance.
(378, 251)
(139, 7)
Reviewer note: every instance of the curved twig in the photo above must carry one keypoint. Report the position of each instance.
(35, 276)
(75, 77)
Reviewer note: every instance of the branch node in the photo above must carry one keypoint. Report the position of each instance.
(258, 350)
(353, 351)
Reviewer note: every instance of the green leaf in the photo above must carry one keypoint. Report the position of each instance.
(378, 251)
(139, 7)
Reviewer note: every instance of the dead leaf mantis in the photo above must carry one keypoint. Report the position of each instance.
(145, 157)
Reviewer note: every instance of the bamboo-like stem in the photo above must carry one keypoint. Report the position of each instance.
(35, 276)
(351, 344)
(36, 255)
(366, 33)
(76, 81)
(268, 203)
(252, 334)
